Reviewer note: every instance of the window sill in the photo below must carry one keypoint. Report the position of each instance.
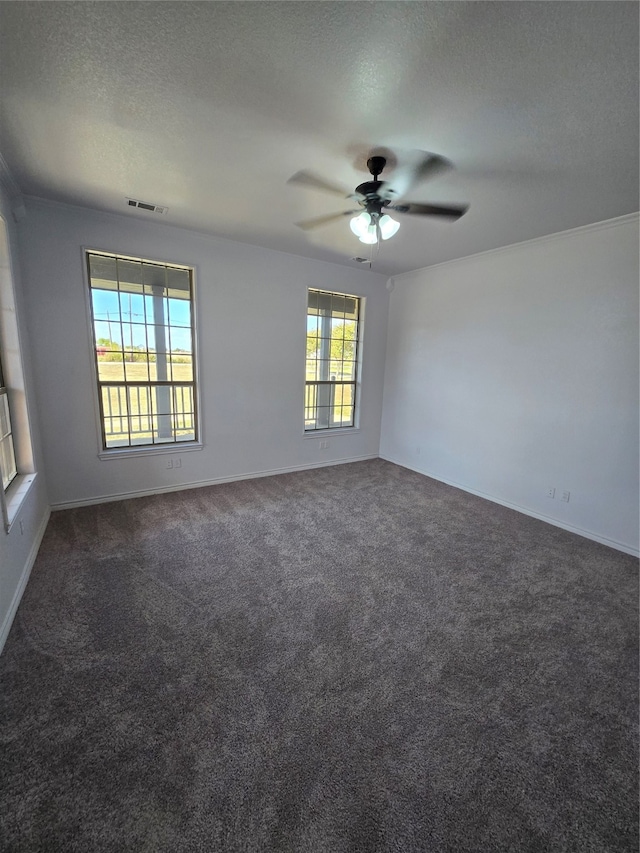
(159, 450)
(318, 433)
(15, 496)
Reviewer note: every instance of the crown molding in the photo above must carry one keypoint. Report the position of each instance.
(12, 187)
(546, 238)
(7, 180)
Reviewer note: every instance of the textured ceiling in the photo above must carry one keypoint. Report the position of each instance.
(208, 108)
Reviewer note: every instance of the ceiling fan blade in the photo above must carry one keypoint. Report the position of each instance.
(316, 222)
(308, 179)
(420, 167)
(451, 212)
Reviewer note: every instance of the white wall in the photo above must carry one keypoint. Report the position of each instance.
(251, 308)
(516, 370)
(19, 546)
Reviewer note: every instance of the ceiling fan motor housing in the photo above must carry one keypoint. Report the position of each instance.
(373, 203)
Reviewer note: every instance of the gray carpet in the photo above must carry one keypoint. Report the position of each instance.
(345, 660)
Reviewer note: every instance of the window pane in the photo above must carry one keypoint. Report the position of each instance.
(337, 329)
(108, 334)
(158, 338)
(132, 307)
(136, 367)
(103, 272)
(149, 302)
(5, 420)
(182, 368)
(348, 369)
(351, 308)
(179, 312)
(337, 349)
(134, 335)
(324, 303)
(347, 415)
(7, 461)
(106, 305)
(350, 327)
(102, 331)
(323, 369)
(180, 340)
(179, 284)
(161, 400)
(7, 455)
(129, 276)
(140, 420)
(154, 276)
(114, 414)
(111, 368)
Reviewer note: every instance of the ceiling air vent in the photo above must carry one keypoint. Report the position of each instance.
(145, 205)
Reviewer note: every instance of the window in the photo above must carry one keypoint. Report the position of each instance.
(17, 470)
(143, 328)
(332, 360)
(7, 450)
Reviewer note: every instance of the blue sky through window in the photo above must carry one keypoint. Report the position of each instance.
(123, 315)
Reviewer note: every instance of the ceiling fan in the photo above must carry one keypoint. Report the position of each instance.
(376, 198)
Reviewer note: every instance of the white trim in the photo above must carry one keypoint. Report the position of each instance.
(11, 338)
(143, 449)
(24, 578)
(14, 497)
(546, 238)
(331, 431)
(588, 534)
(215, 481)
(8, 180)
(355, 427)
(174, 447)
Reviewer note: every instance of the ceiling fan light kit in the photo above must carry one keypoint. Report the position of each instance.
(369, 227)
(388, 226)
(373, 224)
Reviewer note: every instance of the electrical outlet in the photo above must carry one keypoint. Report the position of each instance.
(169, 463)
(177, 463)
(324, 445)
(551, 492)
(565, 497)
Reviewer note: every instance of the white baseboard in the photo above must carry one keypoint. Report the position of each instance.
(22, 583)
(588, 534)
(142, 493)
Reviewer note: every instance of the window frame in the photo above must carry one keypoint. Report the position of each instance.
(4, 393)
(171, 447)
(355, 383)
(12, 499)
